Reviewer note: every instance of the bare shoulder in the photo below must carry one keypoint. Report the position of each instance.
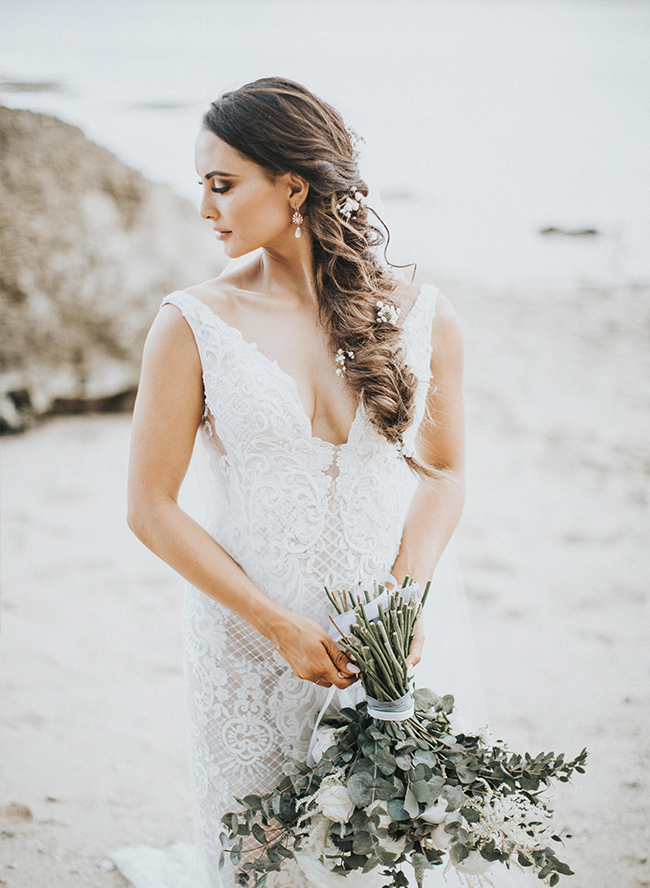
(170, 341)
(446, 318)
(446, 332)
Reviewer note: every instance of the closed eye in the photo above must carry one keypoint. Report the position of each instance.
(221, 190)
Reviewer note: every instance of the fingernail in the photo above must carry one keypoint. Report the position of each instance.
(352, 667)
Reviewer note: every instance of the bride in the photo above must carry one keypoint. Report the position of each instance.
(327, 397)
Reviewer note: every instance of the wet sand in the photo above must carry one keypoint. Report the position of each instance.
(554, 541)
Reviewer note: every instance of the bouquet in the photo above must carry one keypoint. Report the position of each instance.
(390, 781)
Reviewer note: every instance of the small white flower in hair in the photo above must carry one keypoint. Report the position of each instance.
(347, 207)
(387, 313)
(350, 204)
(403, 449)
(340, 359)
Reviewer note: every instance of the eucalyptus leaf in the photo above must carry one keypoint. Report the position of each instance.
(470, 815)
(370, 864)
(564, 869)
(363, 766)
(259, 833)
(424, 699)
(420, 861)
(384, 761)
(396, 810)
(447, 703)
(410, 803)
(363, 789)
(425, 792)
(363, 843)
(426, 757)
(387, 858)
(421, 772)
(453, 796)
(359, 820)
(458, 853)
(465, 775)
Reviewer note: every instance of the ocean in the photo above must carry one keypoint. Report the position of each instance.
(486, 122)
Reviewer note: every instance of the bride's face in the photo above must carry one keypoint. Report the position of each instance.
(246, 208)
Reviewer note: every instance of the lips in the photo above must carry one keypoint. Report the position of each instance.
(220, 233)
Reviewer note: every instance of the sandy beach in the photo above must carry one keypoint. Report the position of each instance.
(554, 541)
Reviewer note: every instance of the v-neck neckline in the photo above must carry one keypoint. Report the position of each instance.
(272, 362)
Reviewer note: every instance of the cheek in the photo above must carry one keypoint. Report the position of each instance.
(274, 212)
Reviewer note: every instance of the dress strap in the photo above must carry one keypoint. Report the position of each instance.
(417, 331)
(191, 308)
(202, 321)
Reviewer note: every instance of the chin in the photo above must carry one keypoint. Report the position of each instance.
(234, 250)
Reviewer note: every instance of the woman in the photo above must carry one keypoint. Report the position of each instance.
(329, 454)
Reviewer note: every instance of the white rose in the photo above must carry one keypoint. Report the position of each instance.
(312, 853)
(474, 865)
(325, 737)
(435, 813)
(394, 846)
(333, 800)
(439, 838)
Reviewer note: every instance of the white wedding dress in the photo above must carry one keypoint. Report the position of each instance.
(295, 512)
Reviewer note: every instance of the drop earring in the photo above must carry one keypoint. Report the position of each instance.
(297, 220)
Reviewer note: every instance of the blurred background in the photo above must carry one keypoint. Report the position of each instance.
(506, 146)
(486, 121)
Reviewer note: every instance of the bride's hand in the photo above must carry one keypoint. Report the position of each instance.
(416, 648)
(312, 654)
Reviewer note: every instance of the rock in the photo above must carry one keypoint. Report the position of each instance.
(89, 249)
(16, 811)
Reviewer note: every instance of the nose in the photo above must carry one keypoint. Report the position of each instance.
(207, 209)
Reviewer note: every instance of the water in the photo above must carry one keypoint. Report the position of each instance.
(485, 120)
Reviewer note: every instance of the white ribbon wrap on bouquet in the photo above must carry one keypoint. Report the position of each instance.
(395, 710)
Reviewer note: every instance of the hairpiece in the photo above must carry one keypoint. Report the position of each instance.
(349, 205)
(340, 359)
(402, 450)
(355, 140)
(387, 313)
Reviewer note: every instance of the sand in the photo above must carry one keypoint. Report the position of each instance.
(554, 541)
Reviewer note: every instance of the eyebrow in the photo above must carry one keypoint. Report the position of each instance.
(220, 174)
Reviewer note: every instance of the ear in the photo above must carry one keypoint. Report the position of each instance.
(298, 190)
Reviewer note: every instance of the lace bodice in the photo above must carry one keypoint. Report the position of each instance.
(295, 512)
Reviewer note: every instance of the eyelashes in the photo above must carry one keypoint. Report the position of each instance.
(221, 190)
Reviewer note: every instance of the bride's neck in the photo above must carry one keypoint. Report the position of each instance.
(289, 272)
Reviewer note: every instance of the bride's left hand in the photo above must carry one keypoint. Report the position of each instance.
(416, 648)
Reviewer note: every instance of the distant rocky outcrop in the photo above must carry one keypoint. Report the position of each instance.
(89, 248)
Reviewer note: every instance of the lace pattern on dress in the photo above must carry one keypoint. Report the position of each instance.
(295, 512)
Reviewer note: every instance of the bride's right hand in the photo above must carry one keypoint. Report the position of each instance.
(311, 653)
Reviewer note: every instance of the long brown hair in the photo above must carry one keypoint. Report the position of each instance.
(283, 127)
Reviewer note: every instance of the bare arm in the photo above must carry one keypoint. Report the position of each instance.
(436, 506)
(167, 414)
